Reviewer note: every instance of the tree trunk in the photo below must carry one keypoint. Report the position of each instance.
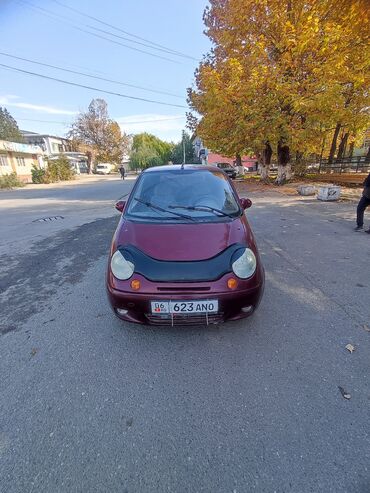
(333, 147)
(264, 170)
(284, 166)
(351, 148)
(265, 161)
(322, 150)
(284, 173)
(288, 171)
(239, 165)
(342, 147)
(367, 158)
(89, 162)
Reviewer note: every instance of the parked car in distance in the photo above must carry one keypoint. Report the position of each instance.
(183, 252)
(250, 167)
(229, 169)
(103, 168)
(313, 167)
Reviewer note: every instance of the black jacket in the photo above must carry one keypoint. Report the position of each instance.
(366, 192)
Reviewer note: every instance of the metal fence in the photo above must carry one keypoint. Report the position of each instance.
(358, 164)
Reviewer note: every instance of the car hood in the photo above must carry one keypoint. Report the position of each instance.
(183, 242)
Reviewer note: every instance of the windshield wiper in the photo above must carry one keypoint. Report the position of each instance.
(158, 208)
(201, 208)
(157, 218)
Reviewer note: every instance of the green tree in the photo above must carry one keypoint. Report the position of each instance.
(100, 133)
(8, 127)
(148, 150)
(177, 156)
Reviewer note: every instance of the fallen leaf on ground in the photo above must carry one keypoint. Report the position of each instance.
(34, 351)
(367, 328)
(344, 393)
(350, 348)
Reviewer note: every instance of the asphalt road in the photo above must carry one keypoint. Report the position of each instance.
(91, 404)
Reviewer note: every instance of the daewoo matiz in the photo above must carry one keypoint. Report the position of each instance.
(183, 252)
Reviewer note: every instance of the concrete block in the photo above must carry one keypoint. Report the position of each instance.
(306, 190)
(329, 193)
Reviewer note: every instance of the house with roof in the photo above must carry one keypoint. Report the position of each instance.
(55, 147)
(50, 144)
(20, 158)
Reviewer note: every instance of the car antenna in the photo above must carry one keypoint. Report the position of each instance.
(183, 149)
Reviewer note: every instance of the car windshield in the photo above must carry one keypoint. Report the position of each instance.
(185, 195)
(224, 165)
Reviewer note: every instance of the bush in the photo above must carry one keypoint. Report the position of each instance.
(10, 181)
(299, 168)
(57, 170)
(38, 174)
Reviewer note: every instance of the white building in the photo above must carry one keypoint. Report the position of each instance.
(55, 147)
(50, 144)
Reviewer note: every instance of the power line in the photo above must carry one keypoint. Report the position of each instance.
(120, 123)
(153, 121)
(164, 50)
(89, 75)
(90, 87)
(41, 121)
(48, 13)
(169, 50)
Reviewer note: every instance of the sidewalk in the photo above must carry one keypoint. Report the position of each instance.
(79, 180)
(252, 185)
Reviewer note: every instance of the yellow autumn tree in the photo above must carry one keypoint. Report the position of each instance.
(283, 74)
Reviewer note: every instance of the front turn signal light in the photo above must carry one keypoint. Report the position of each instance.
(232, 283)
(135, 284)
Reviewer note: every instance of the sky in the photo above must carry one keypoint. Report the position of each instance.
(111, 39)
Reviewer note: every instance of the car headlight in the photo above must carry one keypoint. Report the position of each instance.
(245, 265)
(121, 268)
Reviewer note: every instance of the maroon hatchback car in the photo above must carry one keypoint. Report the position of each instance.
(183, 252)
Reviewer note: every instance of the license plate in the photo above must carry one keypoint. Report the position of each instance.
(185, 307)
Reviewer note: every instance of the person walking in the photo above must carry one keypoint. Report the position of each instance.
(122, 171)
(364, 202)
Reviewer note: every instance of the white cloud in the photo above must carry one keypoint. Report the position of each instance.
(8, 101)
(9, 96)
(167, 127)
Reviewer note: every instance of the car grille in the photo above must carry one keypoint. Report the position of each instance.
(196, 319)
(174, 289)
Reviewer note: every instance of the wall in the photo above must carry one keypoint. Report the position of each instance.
(19, 158)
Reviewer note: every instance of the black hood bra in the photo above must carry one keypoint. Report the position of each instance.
(183, 271)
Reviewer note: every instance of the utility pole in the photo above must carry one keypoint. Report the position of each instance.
(183, 147)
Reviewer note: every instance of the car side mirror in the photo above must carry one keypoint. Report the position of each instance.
(245, 203)
(120, 205)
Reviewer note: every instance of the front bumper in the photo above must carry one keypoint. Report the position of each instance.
(233, 305)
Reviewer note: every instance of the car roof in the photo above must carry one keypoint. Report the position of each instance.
(176, 167)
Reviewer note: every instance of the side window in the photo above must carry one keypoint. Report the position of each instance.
(3, 160)
(20, 161)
